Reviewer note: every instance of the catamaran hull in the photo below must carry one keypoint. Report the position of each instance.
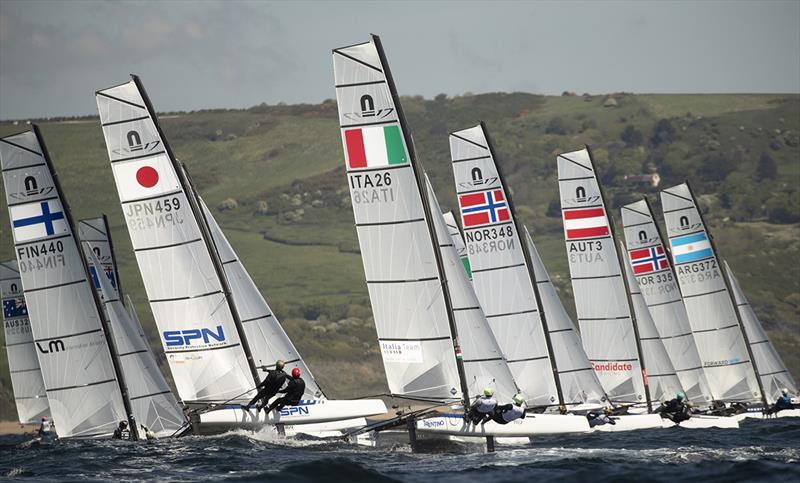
(532, 425)
(631, 422)
(704, 422)
(307, 412)
(786, 413)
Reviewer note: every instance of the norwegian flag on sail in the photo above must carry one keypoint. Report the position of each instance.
(648, 260)
(483, 208)
(585, 223)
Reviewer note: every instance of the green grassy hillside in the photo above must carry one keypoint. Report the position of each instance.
(293, 227)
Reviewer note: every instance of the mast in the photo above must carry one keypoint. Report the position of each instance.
(624, 276)
(428, 219)
(733, 301)
(208, 241)
(529, 264)
(112, 347)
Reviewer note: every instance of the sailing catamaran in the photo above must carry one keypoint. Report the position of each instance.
(458, 241)
(606, 314)
(79, 362)
(26, 375)
(656, 279)
(717, 327)
(505, 278)
(436, 344)
(203, 330)
(152, 401)
(773, 372)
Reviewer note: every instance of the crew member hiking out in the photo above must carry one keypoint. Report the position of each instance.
(122, 431)
(676, 410)
(509, 412)
(599, 418)
(293, 392)
(269, 387)
(784, 401)
(481, 410)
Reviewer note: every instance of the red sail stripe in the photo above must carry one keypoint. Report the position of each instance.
(356, 156)
(587, 232)
(585, 213)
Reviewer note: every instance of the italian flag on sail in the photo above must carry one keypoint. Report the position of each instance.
(374, 147)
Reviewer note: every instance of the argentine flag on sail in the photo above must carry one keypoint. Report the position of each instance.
(690, 248)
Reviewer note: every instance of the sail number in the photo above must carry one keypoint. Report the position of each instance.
(143, 215)
(369, 188)
(698, 272)
(488, 240)
(41, 256)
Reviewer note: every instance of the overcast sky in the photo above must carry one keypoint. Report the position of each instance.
(192, 55)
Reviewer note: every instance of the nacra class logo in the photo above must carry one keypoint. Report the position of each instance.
(31, 189)
(368, 110)
(135, 145)
(186, 337)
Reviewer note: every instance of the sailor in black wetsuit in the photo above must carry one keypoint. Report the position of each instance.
(509, 412)
(599, 418)
(293, 392)
(676, 410)
(269, 387)
(122, 431)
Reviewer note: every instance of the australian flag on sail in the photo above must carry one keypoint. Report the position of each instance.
(690, 248)
(109, 271)
(15, 307)
(648, 260)
(483, 208)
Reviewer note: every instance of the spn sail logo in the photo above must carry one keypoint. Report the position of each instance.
(581, 198)
(31, 188)
(368, 111)
(188, 337)
(478, 181)
(684, 225)
(135, 146)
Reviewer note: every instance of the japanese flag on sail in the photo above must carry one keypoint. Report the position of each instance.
(145, 178)
(38, 220)
(374, 147)
(648, 260)
(482, 208)
(585, 223)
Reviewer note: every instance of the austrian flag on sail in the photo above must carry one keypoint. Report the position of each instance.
(375, 146)
(483, 208)
(585, 223)
(647, 260)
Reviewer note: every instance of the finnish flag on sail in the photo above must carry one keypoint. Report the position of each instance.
(36, 220)
(690, 248)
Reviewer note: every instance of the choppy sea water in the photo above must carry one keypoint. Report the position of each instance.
(758, 451)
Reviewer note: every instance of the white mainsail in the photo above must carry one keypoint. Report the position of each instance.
(656, 279)
(771, 369)
(578, 378)
(411, 308)
(152, 401)
(458, 241)
(264, 333)
(202, 339)
(484, 364)
(26, 376)
(81, 378)
(605, 316)
(709, 304)
(661, 376)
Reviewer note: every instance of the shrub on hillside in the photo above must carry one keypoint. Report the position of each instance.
(784, 208)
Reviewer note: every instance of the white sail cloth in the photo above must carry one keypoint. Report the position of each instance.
(195, 320)
(484, 364)
(709, 305)
(604, 315)
(657, 282)
(458, 241)
(264, 333)
(26, 376)
(500, 274)
(152, 401)
(771, 369)
(82, 388)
